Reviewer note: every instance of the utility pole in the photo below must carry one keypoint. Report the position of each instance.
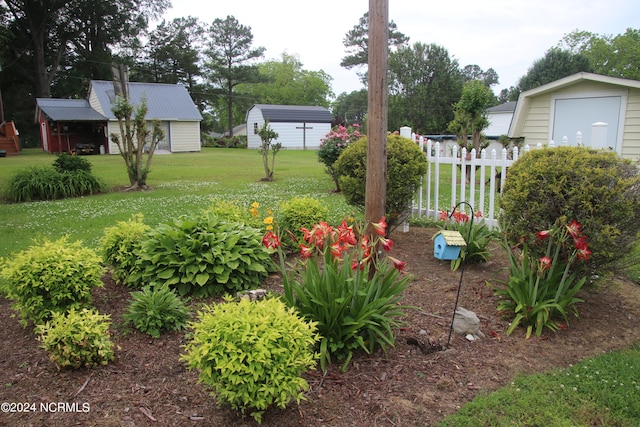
(376, 184)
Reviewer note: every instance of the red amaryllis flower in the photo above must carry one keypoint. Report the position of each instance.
(380, 227)
(271, 240)
(336, 250)
(543, 234)
(387, 244)
(544, 263)
(574, 228)
(580, 242)
(444, 215)
(346, 234)
(583, 253)
(306, 251)
(397, 264)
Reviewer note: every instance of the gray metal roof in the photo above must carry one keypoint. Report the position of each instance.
(164, 101)
(294, 113)
(507, 107)
(76, 110)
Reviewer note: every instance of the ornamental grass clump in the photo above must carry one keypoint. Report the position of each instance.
(341, 285)
(252, 354)
(153, 310)
(541, 288)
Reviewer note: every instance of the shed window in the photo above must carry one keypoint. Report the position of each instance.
(255, 128)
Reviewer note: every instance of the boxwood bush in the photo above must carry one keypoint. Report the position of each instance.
(51, 277)
(79, 338)
(599, 189)
(119, 246)
(252, 354)
(406, 166)
(202, 255)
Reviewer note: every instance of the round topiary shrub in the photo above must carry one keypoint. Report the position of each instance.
(119, 245)
(51, 277)
(598, 189)
(297, 213)
(252, 353)
(406, 166)
(79, 338)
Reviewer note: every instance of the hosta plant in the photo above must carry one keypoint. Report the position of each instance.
(51, 277)
(339, 284)
(540, 289)
(153, 310)
(252, 354)
(202, 255)
(79, 338)
(475, 233)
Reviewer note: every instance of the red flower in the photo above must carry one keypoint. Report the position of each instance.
(580, 242)
(271, 240)
(583, 252)
(306, 251)
(397, 264)
(380, 227)
(544, 263)
(336, 250)
(543, 234)
(387, 244)
(346, 234)
(574, 228)
(444, 215)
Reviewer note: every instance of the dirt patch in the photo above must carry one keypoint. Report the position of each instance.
(413, 384)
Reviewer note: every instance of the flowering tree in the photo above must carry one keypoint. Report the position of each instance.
(333, 144)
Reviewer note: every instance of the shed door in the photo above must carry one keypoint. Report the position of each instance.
(578, 114)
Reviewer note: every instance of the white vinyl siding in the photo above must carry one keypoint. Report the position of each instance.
(185, 136)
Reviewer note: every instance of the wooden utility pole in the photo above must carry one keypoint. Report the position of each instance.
(376, 185)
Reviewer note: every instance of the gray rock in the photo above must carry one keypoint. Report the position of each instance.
(466, 322)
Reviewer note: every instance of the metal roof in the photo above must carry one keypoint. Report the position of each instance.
(294, 113)
(65, 110)
(164, 101)
(507, 107)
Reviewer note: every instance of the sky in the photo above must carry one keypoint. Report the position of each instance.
(506, 35)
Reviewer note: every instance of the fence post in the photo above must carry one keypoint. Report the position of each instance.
(579, 139)
(436, 183)
(492, 183)
(483, 176)
(454, 176)
(472, 178)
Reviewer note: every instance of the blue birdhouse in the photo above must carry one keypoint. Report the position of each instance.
(447, 244)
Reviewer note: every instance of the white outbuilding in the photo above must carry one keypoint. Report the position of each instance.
(299, 127)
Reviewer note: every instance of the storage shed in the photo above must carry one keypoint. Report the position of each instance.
(67, 124)
(298, 127)
(574, 103)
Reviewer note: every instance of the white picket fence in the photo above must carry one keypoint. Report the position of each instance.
(476, 181)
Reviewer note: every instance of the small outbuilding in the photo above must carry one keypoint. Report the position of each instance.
(85, 125)
(576, 103)
(298, 127)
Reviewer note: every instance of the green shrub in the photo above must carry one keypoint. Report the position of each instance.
(598, 187)
(51, 277)
(77, 339)
(252, 353)
(46, 183)
(406, 166)
(297, 213)
(120, 244)
(153, 310)
(202, 255)
(66, 163)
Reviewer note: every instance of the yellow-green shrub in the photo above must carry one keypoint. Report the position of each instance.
(252, 353)
(299, 212)
(77, 339)
(51, 277)
(118, 246)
